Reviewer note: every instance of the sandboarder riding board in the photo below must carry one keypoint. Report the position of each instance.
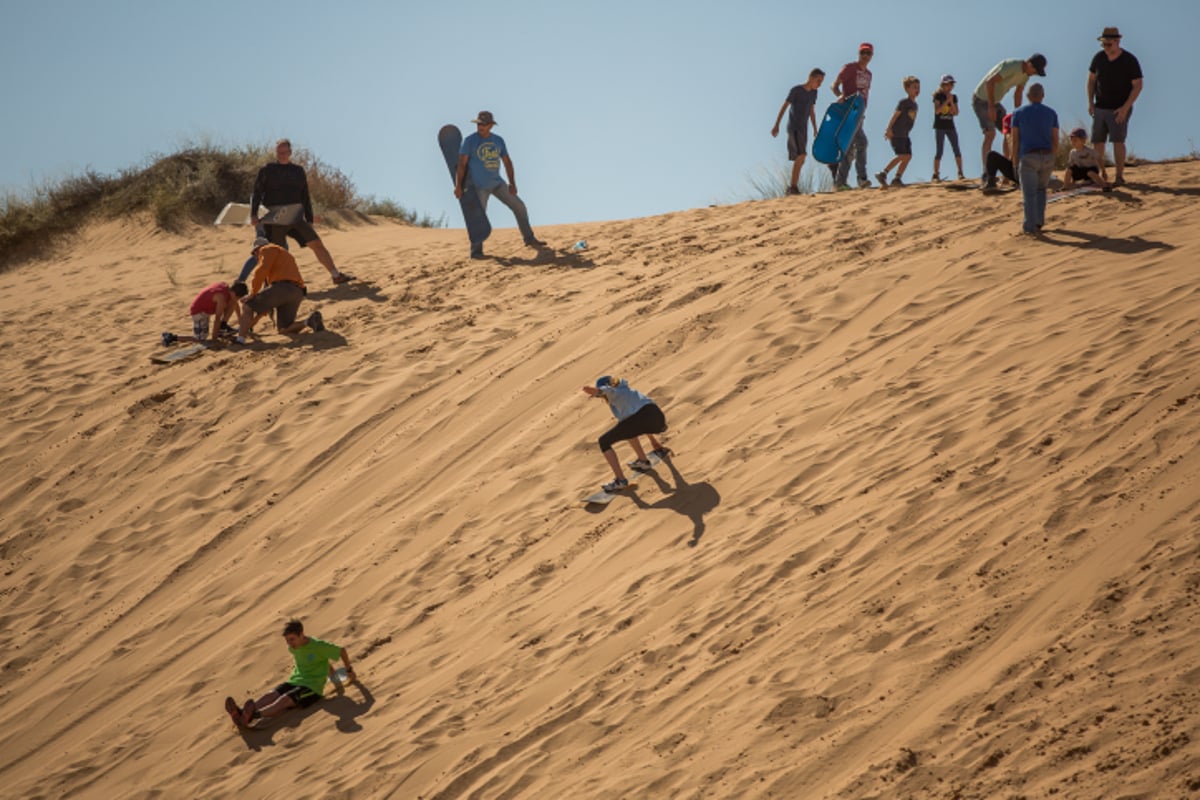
(478, 226)
(837, 130)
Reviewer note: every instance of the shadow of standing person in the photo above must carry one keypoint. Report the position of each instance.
(692, 500)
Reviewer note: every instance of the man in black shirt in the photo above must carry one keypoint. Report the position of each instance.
(284, 184)
(1114, 82)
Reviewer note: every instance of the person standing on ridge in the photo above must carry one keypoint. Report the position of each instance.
(282, 183)
(1114, 83)
(854, 79)
(482, 153)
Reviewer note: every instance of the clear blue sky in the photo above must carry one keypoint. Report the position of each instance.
(611, 110)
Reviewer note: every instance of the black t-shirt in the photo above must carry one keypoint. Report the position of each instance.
(1114, 79)
(802, 100)
(904, 123)
(942, 121)
(281, 185)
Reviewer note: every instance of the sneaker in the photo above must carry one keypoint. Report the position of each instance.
(865, 183)
(662, 452)
(897, 182)
(342, 277)
(882, 178)
(249, 712)
(936, 178)
(641, 465)
(988, 184)
(240, 339)
(534, 242)
(169, 338)
(842, 187)
(477, 253)
(1118, 181)
(793, 189)
(615, 486)
(315, 322)
(962, 177)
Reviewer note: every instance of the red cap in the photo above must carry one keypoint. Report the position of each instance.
(1006, 123)
(867, 46)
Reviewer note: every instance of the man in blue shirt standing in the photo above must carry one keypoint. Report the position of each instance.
(482, 153)
(1034, 139)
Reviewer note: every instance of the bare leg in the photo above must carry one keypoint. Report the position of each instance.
(637, 448)
(937, 162)
(323, 256)
(655, 443)
(988, 138)
(611, 457)
(275, 706)
(902, 166)
(796, 165)
(958, 161)
(1099, 148)
(1119, 158)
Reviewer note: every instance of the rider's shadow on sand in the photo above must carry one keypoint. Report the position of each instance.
(693, 500)
(342, 705)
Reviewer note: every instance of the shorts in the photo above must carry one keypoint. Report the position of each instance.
(980, 109)
(282, 296)
(647, 419)
(1106, 128)
(797, 143)
(301, 231)
(302, 696)
(1081, 173)
(901, 145)
(200, 326)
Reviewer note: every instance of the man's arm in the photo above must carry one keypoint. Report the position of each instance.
(460, 175)
(1091, 90)
(346, 660)
(1015, 136)
(260, 188)
(1018, 93)
(307, 200)
(887, 134)
(222, 314)
(508, 169)
(812, 115)
(1123, 111)
(991, 94)
(782, 108)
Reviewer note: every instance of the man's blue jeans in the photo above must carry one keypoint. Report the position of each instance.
(1035, 171)
(516, 204)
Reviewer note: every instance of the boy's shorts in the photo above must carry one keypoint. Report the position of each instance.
(1106, 128)
(200, 326)
(980, 109)
(797, 143)
(901, 145)
(302, 696)
(283, 296)
(1079, 173)
(301, 231)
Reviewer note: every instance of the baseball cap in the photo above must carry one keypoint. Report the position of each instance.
(1109, 33)
(603, 380)
(948, 78)
(1038, 61)
(1079, 133)
(484, 118)
(259, 242)
(866, 47)
(1006, 123)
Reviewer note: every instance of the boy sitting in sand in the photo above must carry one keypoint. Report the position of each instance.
(219, 302)
(1082, 164)
(306, 684)
(898, 129)
(637, 415)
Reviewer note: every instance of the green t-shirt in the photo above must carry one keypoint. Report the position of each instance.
(312, 663)
(1012, 74)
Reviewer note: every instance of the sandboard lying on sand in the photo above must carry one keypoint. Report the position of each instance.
(1088, 189)
(175, 356)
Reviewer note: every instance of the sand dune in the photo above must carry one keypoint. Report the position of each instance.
(931, 529)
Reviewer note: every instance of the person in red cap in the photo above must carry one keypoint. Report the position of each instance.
(854, 79)
(1114, 82)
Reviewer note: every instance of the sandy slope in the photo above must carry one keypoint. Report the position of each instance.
(931, 530)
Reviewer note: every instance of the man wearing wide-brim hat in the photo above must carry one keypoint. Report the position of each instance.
(1114, 83)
